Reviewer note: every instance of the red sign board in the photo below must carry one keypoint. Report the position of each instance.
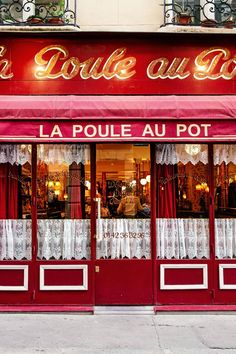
(118, 64)
(148, 131)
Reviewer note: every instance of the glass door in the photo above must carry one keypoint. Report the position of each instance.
(123, 272)
(63, 225)
(15, 224)
(182, 225)
(225, 222)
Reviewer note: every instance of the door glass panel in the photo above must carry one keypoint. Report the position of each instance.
(63, 187)
(123, 185)
(15, 201)
(225, 200)
(182, 201)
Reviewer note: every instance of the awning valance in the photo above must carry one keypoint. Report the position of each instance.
(117, 107)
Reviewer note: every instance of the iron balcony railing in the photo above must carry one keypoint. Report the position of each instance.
(38, 12)
(208, 13)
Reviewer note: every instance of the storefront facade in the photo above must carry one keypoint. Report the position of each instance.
(86, 123)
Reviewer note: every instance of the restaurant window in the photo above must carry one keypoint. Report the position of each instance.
(225, 200)
(63, 192)
(182, 201)
(15, 201)
(123, 190)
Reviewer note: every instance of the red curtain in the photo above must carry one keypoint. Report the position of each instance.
(166, 192)
(8, 191)
(76, 187)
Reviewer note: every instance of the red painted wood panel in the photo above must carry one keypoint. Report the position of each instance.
(185, 296)
(124, 282)
(230, 276)
(11, 277)
(224, 296)
(63, 277)
(183, 276)
(64, 297)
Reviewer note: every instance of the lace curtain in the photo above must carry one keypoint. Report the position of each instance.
(15, 239)
(124, 238)
(15, 154)
(171, 154)
(224, 153)
(182, 238)
(63, 239)
(63, 153)
(225, 238)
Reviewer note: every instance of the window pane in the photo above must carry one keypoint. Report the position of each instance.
(182, 201)
(15, 200)
(123, 185)
(63, 174)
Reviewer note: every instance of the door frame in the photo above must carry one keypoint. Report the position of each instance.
(110, 287)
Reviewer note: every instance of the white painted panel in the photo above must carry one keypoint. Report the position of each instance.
(164, 286)
(44, 268)
(221, 276)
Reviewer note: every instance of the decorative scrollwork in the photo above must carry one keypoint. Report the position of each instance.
(210, 13)
(38, 12)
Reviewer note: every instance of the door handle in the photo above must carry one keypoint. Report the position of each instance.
(99, 231)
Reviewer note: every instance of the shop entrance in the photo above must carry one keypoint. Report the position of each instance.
(123, 271)
(117, 224)
(56, 198)
(93, 224)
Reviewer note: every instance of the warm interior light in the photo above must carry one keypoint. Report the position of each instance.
(198, 187)
(202, 187)
(57, 192)
(148, 178)
(88, 185)
(50, 184)
(143, 181)
(184, 196)
(58, 184)
(192, 149)
(65, 196)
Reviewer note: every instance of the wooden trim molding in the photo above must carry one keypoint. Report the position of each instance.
(164, 286)
(84, 286)
(221, 276)
(23, 287)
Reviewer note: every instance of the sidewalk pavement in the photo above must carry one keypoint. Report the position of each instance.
(176, 333)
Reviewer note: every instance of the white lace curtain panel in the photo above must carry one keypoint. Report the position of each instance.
(224, 153)
(55, 153)
(225, 238)
(124, 238)
(15, 239)
(182, 238)
(121, 238)
(63, 153)
(171, 154)
(15, 154)
(64, 239)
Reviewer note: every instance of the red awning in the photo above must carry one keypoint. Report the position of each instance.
(117, 107)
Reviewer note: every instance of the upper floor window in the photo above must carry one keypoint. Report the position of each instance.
(208, 13)
(37, 12)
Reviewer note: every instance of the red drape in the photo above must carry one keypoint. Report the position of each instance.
(166, 194)
(76, 192)
(8, 191)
